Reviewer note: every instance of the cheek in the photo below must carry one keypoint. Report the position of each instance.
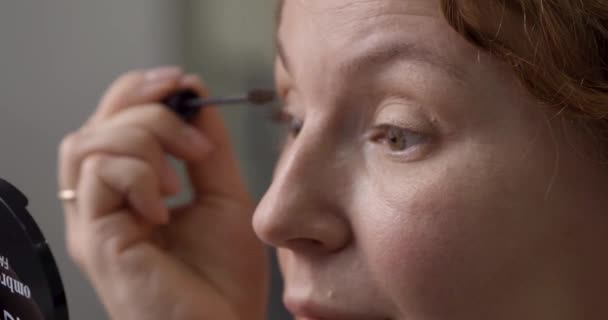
(450, 238)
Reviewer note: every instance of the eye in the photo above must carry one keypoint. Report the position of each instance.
(292, 124)
(397, 139)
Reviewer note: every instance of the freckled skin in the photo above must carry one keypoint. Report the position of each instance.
(495, 217)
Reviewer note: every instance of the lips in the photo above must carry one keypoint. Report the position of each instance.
(311, 310)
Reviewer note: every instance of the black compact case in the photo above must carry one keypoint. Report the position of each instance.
(30, 284)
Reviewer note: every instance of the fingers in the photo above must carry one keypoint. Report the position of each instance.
(146, 133)
(108, 182)
(127, 141)
(138, 88)
(119, 205)
(177, 137)
(131, 124)
(117, 161)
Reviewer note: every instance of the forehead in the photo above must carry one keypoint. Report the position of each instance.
(364, 7)
(351, 18)
(340, 30)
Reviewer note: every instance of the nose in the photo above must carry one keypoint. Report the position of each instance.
(303, 210)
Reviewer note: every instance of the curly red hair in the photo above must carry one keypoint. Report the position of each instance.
(558, 49)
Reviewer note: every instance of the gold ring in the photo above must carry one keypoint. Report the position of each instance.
(67, 195)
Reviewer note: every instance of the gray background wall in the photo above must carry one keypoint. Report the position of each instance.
(56, 57)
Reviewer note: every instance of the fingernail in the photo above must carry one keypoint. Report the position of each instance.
(197, 141)
(162, 73)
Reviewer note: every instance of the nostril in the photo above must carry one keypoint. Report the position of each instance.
(314, 243)
(304, 244)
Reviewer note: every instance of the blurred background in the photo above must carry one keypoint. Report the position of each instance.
(57, 57)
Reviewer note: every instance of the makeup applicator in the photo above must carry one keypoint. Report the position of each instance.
(187, 103)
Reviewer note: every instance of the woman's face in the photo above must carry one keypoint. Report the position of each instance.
(419, 180)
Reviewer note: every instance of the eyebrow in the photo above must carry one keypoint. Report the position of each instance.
(385, 54)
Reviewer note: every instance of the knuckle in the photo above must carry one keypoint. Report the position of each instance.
(69, 144)
(74, 144)
(94, 163)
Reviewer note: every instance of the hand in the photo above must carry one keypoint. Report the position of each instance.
(201, 261)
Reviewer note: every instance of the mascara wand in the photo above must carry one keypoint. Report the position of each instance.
(187, 103)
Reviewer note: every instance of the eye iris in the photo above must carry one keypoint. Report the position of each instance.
(396, 139)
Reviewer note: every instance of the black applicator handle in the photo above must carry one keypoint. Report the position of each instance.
(184, 103)
(187, 103)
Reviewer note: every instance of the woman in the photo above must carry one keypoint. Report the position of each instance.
(445, 161)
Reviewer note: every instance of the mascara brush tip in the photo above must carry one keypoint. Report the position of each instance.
(261, 96)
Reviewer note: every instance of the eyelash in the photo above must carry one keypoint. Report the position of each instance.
(387, 134)
(294, 125)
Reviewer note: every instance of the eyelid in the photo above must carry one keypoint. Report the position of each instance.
(382, 129)
(403, 112)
